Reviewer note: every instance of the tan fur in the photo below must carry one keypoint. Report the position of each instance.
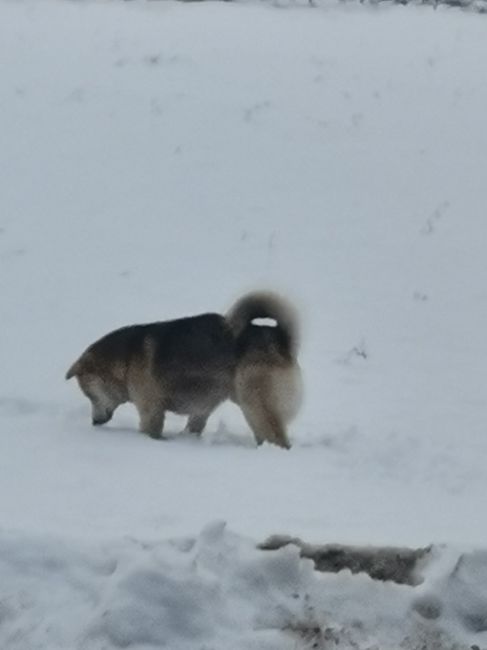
(145, 393)
(269, 395)
(209, 359)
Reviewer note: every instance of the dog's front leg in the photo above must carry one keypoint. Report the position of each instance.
(151, 418)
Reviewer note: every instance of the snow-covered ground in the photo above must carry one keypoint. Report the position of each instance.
(158, 159)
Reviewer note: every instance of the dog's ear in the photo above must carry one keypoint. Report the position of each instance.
(74, 370)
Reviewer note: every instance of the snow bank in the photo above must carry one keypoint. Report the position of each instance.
(218, 592)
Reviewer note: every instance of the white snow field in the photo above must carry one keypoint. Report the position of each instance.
(157, 160)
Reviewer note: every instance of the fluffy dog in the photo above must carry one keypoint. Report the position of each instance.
(191, 365)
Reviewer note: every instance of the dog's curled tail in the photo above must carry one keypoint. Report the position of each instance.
(266, 304)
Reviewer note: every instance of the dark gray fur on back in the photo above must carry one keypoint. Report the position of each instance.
(195, 342)
(193, 357)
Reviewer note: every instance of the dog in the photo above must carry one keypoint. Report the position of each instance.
(191, 365)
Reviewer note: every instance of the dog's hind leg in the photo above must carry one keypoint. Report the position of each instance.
(265, 424)
(197, 423)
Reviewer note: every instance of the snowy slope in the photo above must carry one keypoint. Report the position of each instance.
(156, 160)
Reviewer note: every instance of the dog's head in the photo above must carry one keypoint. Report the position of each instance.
(104, 390)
